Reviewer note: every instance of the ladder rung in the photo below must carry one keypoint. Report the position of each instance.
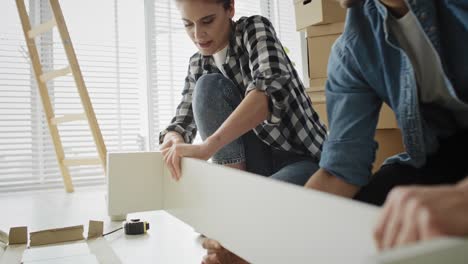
(44, 27)
(54, 74)
(68, 118)
(79, 162)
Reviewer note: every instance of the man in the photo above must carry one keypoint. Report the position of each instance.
(412, 56)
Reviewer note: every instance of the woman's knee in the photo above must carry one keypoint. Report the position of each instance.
(207, 89)
(214, 92)
(211, 103)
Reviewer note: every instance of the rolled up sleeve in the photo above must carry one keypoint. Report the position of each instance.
(269, 66)
(353, 109)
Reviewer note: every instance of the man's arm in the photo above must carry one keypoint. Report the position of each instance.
(353, 110)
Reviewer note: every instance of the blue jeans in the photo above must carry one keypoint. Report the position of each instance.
(214, 99)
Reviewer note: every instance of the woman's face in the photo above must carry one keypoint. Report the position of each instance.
(207, 23)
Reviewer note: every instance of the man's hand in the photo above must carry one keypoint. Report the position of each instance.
(324, 181)
(174, 149)
(411, 214)
(216, 254)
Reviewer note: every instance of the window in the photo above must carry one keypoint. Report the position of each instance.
(134, 67)
(169, 50)
(110, 68)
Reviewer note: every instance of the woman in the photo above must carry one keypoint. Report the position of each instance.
(244, 96)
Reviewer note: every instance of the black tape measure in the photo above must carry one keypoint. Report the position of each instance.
(136, 227)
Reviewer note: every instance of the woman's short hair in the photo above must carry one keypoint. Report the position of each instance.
(226, 3)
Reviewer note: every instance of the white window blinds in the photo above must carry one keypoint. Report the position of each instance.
(111, 48)
(169, 50)
(110, 69)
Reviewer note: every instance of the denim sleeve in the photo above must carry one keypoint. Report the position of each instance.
(268, 64)
(353, 109)
(184, 122)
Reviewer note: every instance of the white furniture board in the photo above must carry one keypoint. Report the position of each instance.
(136, 182)
(55, 251)
(79, 259)
(260, 219)
(268, 221)
(101, 249)
(437, 251)
(13, 254)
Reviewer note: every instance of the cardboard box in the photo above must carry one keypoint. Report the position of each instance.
(323, 30)
(316, 12)
(387, 119)
(317, 97)
(390, 144)
(320, 40)
(317, 85)
(319, 49)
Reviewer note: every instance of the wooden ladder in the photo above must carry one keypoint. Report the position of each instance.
(42, 77)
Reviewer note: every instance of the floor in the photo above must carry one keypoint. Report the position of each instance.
(168, 241)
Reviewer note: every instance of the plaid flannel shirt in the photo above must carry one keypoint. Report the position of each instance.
(256, 60)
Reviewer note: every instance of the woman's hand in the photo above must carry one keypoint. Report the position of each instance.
(170, 139)
(174, 149)
(216, 254)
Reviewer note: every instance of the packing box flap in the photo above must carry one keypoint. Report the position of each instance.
(95, 229)
(58, 235)
(18, 235)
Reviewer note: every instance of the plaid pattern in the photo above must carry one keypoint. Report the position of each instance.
(256, 60)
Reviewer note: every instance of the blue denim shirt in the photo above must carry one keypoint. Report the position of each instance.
(367, 67)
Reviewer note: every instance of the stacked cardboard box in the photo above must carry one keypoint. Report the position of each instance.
(320, 40)
(316, 12)
(323, 21)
